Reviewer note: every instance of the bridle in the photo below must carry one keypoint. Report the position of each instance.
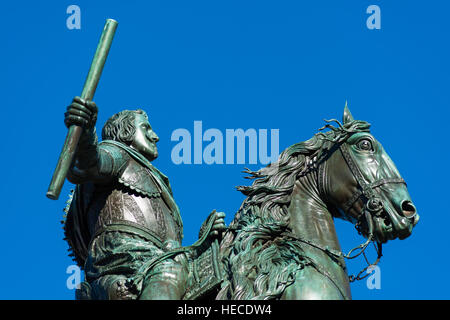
(373, 206)
(374, 203)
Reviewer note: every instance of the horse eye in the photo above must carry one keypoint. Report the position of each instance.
(365, 144)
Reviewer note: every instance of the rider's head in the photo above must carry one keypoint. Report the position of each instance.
(131, 127)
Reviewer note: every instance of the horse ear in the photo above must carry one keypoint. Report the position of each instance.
(347, 117)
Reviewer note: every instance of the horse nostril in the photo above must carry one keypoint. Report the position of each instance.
(408, 209)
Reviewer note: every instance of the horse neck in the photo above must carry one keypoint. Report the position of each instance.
(310, 219)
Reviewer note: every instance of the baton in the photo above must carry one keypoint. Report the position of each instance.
(73, 136)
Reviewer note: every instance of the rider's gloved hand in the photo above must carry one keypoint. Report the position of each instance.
(218, 225)
(81, 113)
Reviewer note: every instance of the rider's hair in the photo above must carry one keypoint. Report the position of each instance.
(120, 127)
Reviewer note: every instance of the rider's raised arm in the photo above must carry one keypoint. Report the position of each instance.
(94, 162)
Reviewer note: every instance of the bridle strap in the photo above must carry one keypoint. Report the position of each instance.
(367, 189)
(372, 185)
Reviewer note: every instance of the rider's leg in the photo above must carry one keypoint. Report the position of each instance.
(167, 281)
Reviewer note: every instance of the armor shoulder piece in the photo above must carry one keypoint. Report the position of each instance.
(139, 179)
(111, 160)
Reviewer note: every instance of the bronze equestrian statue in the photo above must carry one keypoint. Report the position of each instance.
(125, 230)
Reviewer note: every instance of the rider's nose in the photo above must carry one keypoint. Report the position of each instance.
(154, 137)
(408, 209)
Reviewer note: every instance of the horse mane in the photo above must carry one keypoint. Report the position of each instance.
(259, 262)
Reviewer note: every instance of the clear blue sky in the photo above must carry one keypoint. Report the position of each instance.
(231, 64)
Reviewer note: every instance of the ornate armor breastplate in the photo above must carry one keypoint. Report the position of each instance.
(137, 198)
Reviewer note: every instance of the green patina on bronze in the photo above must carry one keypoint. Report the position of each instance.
(282, 243)
(125, 229)
(122, 223)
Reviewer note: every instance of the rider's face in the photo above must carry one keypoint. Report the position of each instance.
(145, 138)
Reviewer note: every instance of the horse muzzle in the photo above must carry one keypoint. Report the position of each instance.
(397, 220)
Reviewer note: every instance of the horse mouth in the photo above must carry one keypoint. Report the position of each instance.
(391, 225)
(383, 230)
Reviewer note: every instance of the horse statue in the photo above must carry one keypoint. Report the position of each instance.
(282, 243)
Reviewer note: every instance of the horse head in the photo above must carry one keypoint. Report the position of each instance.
(282, 242)
(363, 184)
